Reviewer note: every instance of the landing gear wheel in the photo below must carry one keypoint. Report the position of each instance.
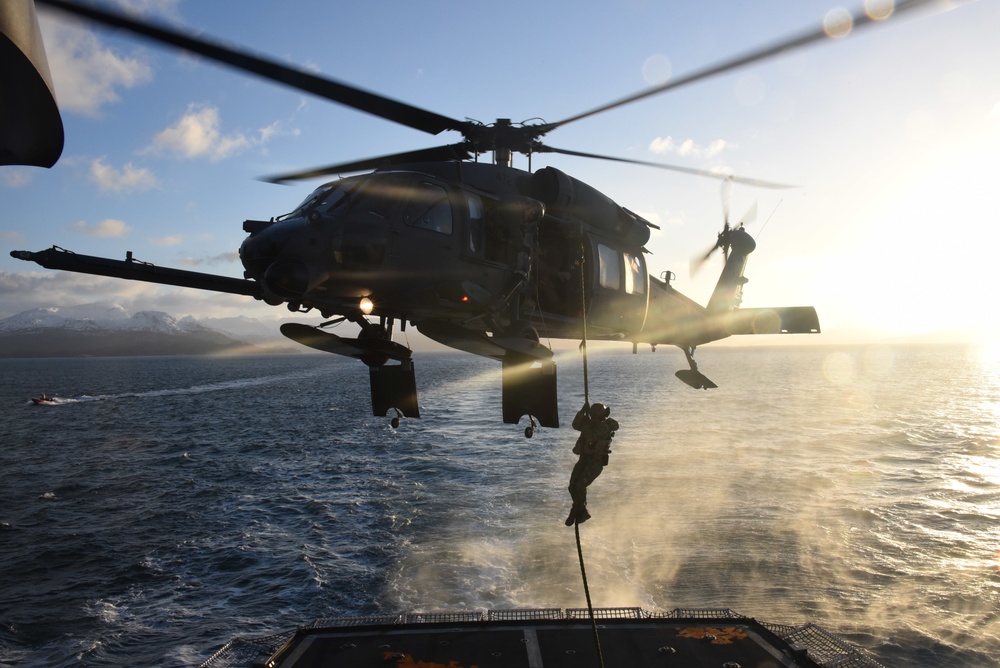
(529, 431)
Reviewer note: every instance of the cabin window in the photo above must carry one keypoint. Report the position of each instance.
(635, 274)
(475, 204)
(429, 208)
(609, 264)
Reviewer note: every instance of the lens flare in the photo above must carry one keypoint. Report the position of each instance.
(839, 368)
(879, 10)
(657, 69)
(838, 23)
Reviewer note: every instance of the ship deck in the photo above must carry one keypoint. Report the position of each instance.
(547, 638)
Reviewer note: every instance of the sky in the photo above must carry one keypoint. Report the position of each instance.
(891, 135)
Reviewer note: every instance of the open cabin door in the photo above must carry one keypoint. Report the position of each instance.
(558, 287)
(615, 281)
(617, 289)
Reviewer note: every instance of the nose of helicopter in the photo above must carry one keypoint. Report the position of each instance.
(287, 279)
(259, 250)
(290, 257)
(277, 254)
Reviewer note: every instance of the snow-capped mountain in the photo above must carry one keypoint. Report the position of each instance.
(101, 315)
(104, 328)
(241, 327)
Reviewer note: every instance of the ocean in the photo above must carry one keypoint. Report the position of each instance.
(163, 506)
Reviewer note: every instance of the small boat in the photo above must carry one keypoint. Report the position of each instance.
(42, 400)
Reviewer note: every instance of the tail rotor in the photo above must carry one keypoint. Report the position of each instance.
(724, 240)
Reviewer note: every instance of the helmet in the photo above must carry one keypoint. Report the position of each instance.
(599, 412)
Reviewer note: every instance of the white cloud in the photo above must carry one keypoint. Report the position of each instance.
(689, 148)
(198, 134)
(172, 240)
(265, 134)
(222, 258)
(127, 179)
(166, 8)
(109, 228)
(86, 74)
(21, 291)
(15, 177)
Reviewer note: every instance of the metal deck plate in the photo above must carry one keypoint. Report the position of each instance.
(638, 643)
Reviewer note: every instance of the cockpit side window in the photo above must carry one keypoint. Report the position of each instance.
(381, 193)
(335, 197)
(429, 208)
(311, 200)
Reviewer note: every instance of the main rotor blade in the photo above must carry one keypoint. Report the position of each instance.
(435, 154)
(543, 148)
(350, 96)
(860, 19)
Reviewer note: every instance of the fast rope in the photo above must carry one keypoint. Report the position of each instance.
(586, 398)
(583, 344)
(586, 590)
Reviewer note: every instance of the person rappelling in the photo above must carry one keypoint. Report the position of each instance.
(596, 430)
(593, 446)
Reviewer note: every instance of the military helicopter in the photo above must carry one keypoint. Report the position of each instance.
(480, 256)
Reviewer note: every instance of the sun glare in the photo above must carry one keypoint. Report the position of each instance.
(924, 247)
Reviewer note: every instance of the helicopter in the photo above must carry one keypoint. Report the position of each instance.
(483, 257)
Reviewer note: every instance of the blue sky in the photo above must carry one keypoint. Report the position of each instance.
(892, 134)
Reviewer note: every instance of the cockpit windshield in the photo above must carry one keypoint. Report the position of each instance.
(326, 197)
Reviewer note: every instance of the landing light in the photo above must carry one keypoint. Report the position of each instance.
(366, 305)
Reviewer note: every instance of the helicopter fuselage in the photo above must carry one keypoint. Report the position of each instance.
(479, 245)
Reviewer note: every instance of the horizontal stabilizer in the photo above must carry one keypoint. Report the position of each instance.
(695, 379)
(780, 320)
